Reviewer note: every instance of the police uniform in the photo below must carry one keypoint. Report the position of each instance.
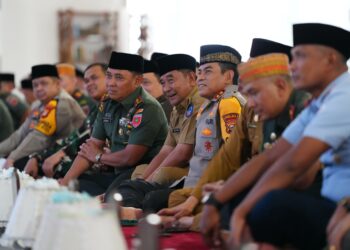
(45, 124)
(6, 124)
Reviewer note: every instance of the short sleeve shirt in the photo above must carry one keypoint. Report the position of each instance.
(147, 125)
(327, 119)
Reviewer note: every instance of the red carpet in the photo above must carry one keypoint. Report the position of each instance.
(179, 241)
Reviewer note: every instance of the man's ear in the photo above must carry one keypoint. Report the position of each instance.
(139, 80)
(229, 74)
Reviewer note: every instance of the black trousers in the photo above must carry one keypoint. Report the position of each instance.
(98, 183)
(286, 217)
(142, 194)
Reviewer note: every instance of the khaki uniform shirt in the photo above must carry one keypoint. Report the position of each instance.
(17, 108)
(45, 124)
(6, 123)
(215, 121)
(247, 140)
(138, 119)
(182, 123)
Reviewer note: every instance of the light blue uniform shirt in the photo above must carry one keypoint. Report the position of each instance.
(327, 119)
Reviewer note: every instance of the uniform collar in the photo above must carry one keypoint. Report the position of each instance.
(184, 104)
(129, 101)
(161, 99)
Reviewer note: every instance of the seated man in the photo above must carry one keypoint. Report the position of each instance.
(280, 216)
(54, 115)
(56, 160)
(179, 85)
(216, 117)
(132, 122)
(253, 133)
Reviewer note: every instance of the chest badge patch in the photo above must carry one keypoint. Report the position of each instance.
(136, 120)
(208, 146)
(207, 132)
(189, 110)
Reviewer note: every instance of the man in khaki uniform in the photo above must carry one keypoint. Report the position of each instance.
(179, 85)
(18, 109)
(132, 122)
(54, 115)
(6, 124)
(246, 140)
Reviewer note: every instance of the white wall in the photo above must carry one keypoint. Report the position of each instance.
(184, 25)
(29, 30)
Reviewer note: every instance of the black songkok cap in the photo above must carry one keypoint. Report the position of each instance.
(150, 67)
(126, 61)
(9, 77)
(220, 54)
(79, 73)
(176, 62)
(157, 55)
(262, 47)
(26, 84)
(322, 34)
(42, 70)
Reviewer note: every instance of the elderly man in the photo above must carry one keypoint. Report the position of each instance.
(132, 122)
(54, 115)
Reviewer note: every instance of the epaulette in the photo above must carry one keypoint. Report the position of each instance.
(77, 94)
(104, 98)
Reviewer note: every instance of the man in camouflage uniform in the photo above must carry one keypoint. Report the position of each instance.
(68, 82)
(6, 124)
(130, 119)
(55, 161)
(18, 109)
(54, 115)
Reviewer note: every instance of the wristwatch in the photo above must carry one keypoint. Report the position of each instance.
(98, 157)
(209, 199)
(345, 203)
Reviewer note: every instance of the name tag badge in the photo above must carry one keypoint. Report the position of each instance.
(107, 118)
(176, 130)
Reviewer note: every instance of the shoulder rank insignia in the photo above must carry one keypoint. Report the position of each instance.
(47, 120)
(189, 110)
(101, 106)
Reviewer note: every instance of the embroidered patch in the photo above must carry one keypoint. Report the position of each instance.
(207, 132)
(208, 146)
(136, 120)
(189, 110)
(230, 121)
(209, 121)
(12, 100)
(139, 111)
(47, 121)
